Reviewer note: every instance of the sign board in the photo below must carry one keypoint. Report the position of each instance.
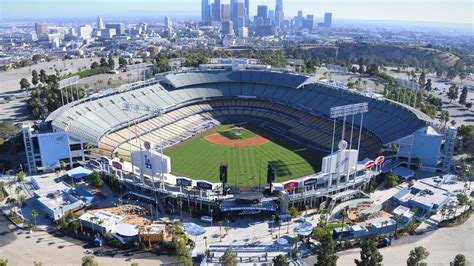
(105, 160)
(291, 185)
(150, 163)
(183, 182)
(380, 160)
(311, 182)
(339, 162)
(204, 185)
(244, 208)
(117, 165)
(369, 165)
(342, 145)
(147, 145)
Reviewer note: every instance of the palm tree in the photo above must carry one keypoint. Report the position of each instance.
(148, 230)
(444, 210)
(2, 185)
(279, 228)
(273, 220)
(205, 242)
(34, 214)
(398, 221)
(9, 185)
(418, 165)
(180, 204)
(444, 117)
(226, 229)
(344, 214)
(220, 230)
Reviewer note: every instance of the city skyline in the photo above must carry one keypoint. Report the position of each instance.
(440, 11)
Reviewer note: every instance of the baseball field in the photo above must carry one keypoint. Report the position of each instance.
(247, 152)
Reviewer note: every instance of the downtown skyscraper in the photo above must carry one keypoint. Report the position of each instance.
(237, 13)
(279, 14)
(205, 12)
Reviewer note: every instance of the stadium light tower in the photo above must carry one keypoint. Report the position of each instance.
(139, 109)
(141, 68)
(345, 111)
(69, 83)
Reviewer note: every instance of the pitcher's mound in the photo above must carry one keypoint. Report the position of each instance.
(217, 138)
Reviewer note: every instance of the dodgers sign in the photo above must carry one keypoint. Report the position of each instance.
(150, 163)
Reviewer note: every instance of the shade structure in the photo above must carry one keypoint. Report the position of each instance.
(79, 172)
(304, 229)
(282, 241)
(194, 229)
(126, 230)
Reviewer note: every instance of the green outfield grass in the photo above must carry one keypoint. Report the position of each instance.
(200, 159)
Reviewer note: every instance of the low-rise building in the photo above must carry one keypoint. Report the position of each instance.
(59, 199)
(404, 214)
(101, 221)
(381, 225)
(348, 232)
(422, 198)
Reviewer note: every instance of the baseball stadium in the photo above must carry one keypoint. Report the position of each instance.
(246, 117)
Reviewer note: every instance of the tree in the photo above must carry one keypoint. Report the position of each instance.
(34, 77)
(422, 79)
(37, 263)
(459, 260)
(453, 93)
(43, 76)
(230, 257)
(444, 117)
(89, 261)
(320, 232)
(20, 176)
(468, 105)
(34, 214)
(280, 260)
(111, 62)
(417, 255)
(135, 264)
(24, 84)
(428, 85)
(369, 255)
(95, 179)
(463, 199)
(463, 96)
(122, 63)
(62, 165)
(392, 180)
(451, 73)
(103, 62)
(326, 254)
(95, 65)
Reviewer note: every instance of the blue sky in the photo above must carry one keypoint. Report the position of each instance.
(451, 11)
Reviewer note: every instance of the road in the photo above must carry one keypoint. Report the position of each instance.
(22, 248)
(443, 244)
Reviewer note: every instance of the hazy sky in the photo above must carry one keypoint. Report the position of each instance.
(453, 11)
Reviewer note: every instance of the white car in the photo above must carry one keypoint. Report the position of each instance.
(88, 251)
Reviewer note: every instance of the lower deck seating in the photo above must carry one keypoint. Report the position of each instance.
(183, 123)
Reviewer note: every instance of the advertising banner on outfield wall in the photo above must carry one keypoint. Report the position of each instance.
(149, 162)
(339, 162)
